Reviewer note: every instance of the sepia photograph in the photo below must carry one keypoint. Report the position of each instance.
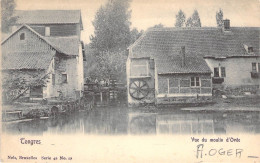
(130, 81)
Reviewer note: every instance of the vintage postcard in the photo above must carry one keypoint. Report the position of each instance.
(130, 81)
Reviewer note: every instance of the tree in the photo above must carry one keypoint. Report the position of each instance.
(180, 19)
(16, 83)
(7, 11)
(194, 20)
(108, 64)
(112, 36)
(135, 34)
(158, 25)
(219, 18)
(112, 27)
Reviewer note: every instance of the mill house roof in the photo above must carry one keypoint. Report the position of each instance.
(48, 17)
(164, 44)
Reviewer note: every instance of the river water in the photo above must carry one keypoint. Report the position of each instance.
(121, 120)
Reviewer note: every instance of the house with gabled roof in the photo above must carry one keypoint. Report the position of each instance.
(46, 42)
(184, 65)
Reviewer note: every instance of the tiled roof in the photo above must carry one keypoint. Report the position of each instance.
(68, 45)
(65, 45)
(174, 65)
(164, 45)
(26, 60)
(162, 42)
(39, 60)
(48, 16)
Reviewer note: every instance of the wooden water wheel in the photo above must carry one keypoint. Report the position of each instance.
(138, 89)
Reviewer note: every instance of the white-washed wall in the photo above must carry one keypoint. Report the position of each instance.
(67, 66)
(80, 71)
(238, 70)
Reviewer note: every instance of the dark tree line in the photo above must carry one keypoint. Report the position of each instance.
(194, 19)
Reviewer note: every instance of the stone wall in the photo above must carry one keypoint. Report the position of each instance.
(57, 87)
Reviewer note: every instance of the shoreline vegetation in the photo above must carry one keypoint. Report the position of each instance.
(27, 112)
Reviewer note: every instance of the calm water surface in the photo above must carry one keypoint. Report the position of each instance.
(120, 120)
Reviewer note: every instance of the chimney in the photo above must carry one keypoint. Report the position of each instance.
(226, 25)
(182, 56)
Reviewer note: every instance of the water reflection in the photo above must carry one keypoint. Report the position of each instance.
(123, 121)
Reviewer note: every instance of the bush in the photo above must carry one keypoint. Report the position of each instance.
(37, 113)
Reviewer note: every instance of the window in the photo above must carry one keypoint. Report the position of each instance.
(223, 72)
(64, 78)
(22, 36)
(195, 82)
(47, 31)
(254, 67)
(219, 72)
(53, 79)
(36, 92)
(250, 49)
(216, 72)
(139, 68)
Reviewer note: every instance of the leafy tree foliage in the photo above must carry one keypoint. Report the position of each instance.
(7, 10)
(112, 26)
(180, 19)
(158, 25)
(111, 38)
(194, 20)
(135, 34)
(219, 18)
(108, 64)
(15, 83)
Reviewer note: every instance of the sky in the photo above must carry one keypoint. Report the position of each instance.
(147, 13)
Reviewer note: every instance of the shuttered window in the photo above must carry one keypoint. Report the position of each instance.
(219, 72)
(254, 67)
(223, 72)
(216, 72)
